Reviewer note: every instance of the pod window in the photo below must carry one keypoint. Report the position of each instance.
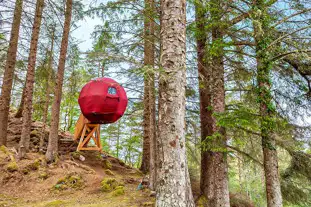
(112, 91)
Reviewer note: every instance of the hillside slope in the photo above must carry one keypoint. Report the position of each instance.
(98, 180)
(69, 182)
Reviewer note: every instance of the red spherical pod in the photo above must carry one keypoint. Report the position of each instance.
(103, 101)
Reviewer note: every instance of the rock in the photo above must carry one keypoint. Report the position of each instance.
(81, 158)
(153, 193)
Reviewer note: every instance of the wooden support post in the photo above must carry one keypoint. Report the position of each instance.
(87, 131)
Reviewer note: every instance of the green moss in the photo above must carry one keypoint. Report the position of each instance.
(25, 171)
(3, 153)
(105, 187)
(75, 155)
(148, 204)
(12, 166)
(43, 175)
(109, 184)
(34, 133)
(35, 165)
(107, 164)
(55, 203)
(121, 183)
(98, 156)
(70, 181)
(3, 149)
(119, 190)
(202, 201)
(109, 172)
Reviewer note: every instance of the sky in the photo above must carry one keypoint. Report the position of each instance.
(85, 29)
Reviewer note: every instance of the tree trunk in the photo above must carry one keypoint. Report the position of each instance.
(103, 69)
(153, 136)
(148, 88)
(173, 187)
(205, 93)
(52, 149)
(267, 109)
(48, 90)
(273, 186)
(118, 138)
(19, 112)
(30, 79)
(214, 180)
(146, 125)
(9, 73)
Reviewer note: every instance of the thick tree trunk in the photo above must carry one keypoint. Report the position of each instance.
(148, 88)
(173, 184)
(48, 90)
(205, 93)
(52, 149)
(9, 72)
(217, 190)
(30, 79)
(267, 110)
(214, 169)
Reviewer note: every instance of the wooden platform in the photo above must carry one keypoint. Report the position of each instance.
(85, 132)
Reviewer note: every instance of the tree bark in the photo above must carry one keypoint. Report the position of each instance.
(19, 112)
(149, 103)
(52, 149)
(173, 184)
(266, 108)
(48, 90)
(30, 79)
(9, 73)
(150, 61)
(146, 125)
(214, 169)
(205, 93)
(153, 136)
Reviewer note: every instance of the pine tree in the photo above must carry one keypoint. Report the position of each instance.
(52, 149)
(267, 110)
(148, 87)
(173, 184)
(30, 78)
(9, 72)
(48, 88)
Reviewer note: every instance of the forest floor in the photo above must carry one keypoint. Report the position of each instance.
(86, 179)
(70, 181)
